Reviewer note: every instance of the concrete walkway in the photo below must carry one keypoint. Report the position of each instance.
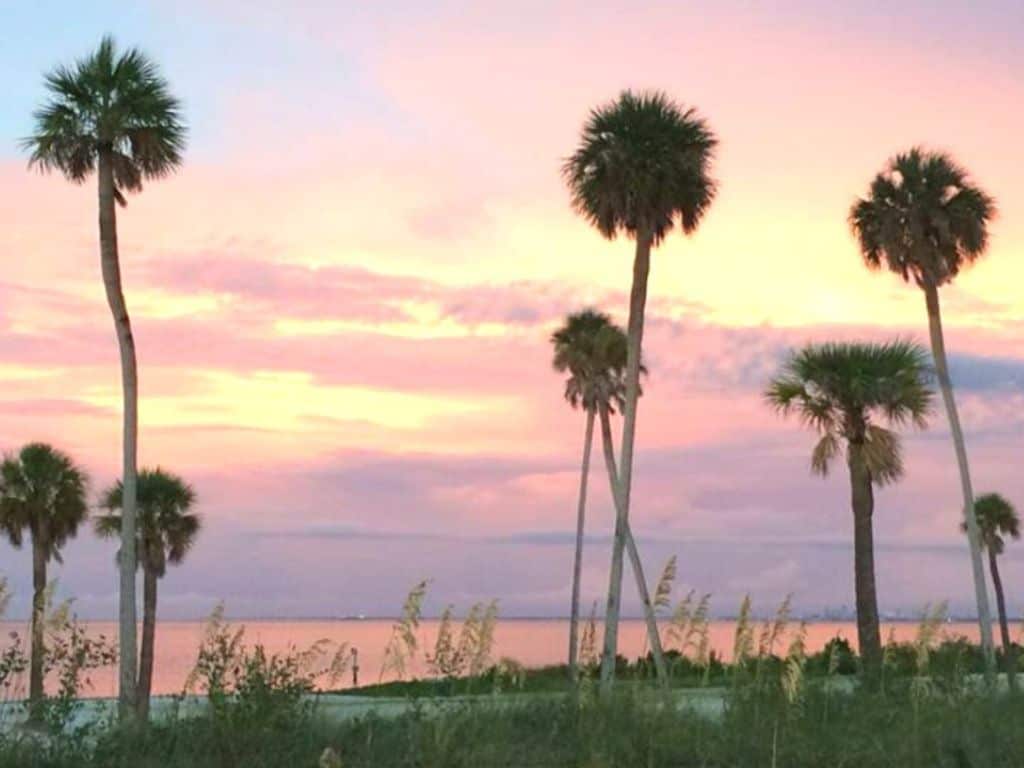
(707, 702)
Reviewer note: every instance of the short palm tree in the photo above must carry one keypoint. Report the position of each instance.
(997, 519)
(642, 165)
(113, 113)
(593, 351)
(43, 492)
(925, 220)
(843, 391)
(167, 529)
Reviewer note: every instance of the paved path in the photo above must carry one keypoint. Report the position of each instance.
(709, 702)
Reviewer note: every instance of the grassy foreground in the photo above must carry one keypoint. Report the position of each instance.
(760, 727)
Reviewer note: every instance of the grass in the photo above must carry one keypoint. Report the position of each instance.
(768, 710)
(637, 728)
(775, 711)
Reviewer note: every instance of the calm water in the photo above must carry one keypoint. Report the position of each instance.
(532, 642)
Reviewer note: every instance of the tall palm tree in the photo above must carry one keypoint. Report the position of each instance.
(843, 391)
(43, 492)
(593, 350)
(998, 518)
(643, 163)
(166, 531)
(113, 113)
(925, 220)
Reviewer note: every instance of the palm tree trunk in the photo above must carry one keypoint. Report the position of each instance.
(1009, 652)
(651, 619)
(577, 566)
(931, 294)
(635, 333)
(149, 582)
(868, 633)
(35, 677)
(111, 269)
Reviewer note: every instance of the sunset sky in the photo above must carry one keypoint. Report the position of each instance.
(343, 301)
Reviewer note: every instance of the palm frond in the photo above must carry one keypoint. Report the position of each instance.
(923, 218)
(997, 518)
(592, 349)
(643, 163)
(42, 490)
(167, 527)
(109, 101)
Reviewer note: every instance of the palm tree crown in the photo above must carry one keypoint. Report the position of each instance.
(42, 490)
(923, 218)
(643, 160)
(593, 350)
(996, 518)
(109, 101)
(167, 529)
(838, 389)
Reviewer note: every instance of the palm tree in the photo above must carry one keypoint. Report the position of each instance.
(166, 529)
(43, 492)
(643, 161)
(113, 113)
(593, 350)
(924, 220)
(997, 518)
(843, 391)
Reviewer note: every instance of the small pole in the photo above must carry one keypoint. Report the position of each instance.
(355, 667)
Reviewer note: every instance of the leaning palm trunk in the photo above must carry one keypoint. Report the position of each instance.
(651, 620)
(577, 567)
(35, 676)
(868, 633)
(635, 332)
(973, 535)
(1009, 652)
(147, 650)
(129, 383)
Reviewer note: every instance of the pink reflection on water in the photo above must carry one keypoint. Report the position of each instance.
(532, 642)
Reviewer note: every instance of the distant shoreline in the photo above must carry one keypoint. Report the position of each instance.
(354, 619)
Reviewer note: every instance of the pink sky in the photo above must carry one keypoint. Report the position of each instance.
(343, 300)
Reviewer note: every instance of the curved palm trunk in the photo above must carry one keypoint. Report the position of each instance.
(129, 383)
(651, 619)
(635, 332)
(35, 675)
(1009, 652)
(973, 535)
(862, 500)
(149, 581)
(577, 566)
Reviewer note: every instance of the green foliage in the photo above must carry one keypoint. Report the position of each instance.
(631, 728)
(643, 163)
(592, 349)
(167, 528)
(72, 654)
(42, 491)
(923, 218)
(13, 664)
(841, 389)
(836, 658)
(247, 688)
(114, 101)
(997, 518)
